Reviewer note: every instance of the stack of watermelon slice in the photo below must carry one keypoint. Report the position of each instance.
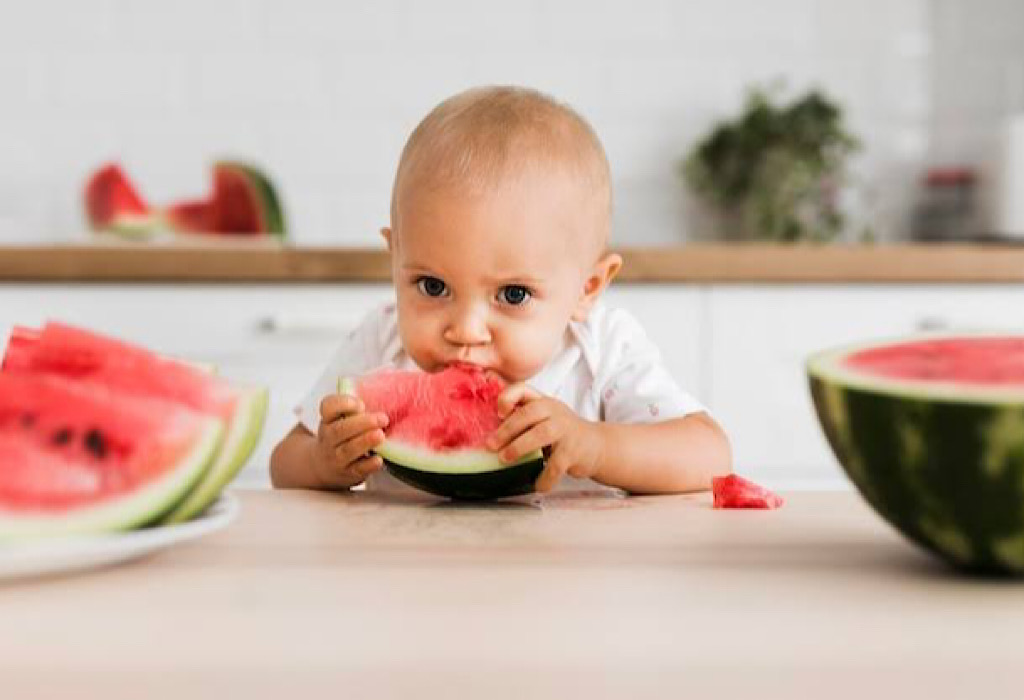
(242, 202)
(100, 435)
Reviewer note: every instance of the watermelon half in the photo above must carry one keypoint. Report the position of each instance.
(931, 432)
(243, 201)
(78, 458)
(437, 425)
(113, 204)
(78, 354)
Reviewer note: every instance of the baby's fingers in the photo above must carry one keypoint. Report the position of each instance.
(513, 396)
(355, 473)
(519, 422)
(539, 436)
(354, 449)
(337, 405)
(554, 469)
(347, 427)
(362, 468)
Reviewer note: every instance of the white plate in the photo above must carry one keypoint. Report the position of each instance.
(48, 557)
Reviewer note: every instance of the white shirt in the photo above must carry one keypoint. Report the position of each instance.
(606, 369)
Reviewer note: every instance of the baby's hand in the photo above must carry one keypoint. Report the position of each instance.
(343, 442)
(532, 421)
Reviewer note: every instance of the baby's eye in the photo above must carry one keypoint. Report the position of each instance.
(432, 287)
(515, 294)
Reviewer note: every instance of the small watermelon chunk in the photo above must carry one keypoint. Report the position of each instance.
(113, 204)
(79, 354)
(733, 491)
(437, 426)
(79, 458)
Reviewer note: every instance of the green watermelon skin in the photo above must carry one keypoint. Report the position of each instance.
(947, 474)
(517, 480)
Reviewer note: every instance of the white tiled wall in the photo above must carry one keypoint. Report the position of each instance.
(323, 93)
(977, 81)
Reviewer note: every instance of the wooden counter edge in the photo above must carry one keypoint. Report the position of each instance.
(694, 263)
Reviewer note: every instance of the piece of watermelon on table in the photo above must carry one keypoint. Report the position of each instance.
(733, 491)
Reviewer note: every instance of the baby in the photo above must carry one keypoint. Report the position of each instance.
(500, 218)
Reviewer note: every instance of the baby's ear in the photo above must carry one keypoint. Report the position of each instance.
(597, 281)
(386, 233)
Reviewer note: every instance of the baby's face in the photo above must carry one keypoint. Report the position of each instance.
(493, 280)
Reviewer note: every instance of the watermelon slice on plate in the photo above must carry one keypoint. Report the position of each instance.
(437, 426)
(79, 458)
(733, 491)
(931, 432)
(81, 355)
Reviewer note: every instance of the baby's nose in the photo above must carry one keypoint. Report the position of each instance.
(468, 327)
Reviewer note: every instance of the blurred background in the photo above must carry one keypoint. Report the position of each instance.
(322, 94)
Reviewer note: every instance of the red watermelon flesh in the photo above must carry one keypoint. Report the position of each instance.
(961, 360)
(234, 206)
(76, 353)
(109, 195)
(452, 409)
(67, 444)
(733, 491)
(193, 216)
(19, 344)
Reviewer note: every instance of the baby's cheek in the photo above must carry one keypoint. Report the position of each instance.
(419, 342)
(525, 353)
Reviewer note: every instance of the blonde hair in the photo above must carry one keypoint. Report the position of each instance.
(477, 138)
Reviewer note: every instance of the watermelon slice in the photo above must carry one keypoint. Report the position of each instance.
(112, 204)
(931, 432)
(243, 202)
(78, 458)
(79, 354)
(437, 426)
(733, 491)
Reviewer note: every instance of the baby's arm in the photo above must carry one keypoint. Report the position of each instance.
(672, 456)
(336, 457)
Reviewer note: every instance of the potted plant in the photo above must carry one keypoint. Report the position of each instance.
(775, 172)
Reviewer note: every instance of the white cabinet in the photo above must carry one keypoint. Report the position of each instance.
(759, 336)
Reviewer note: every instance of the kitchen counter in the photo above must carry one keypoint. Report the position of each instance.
(696, 263)
(328, 595)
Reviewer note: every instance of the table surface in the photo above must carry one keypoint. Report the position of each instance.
(355, 595)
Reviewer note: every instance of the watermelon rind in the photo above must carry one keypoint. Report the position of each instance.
(141, 507)
(469, 474)
(135, 226)
(513, 480)
(242, 434)
(943, 463)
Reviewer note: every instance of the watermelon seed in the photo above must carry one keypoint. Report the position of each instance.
(61, 437)
(28, 420)
(95, 443)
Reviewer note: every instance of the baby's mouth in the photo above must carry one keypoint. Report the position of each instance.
(488, 372)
